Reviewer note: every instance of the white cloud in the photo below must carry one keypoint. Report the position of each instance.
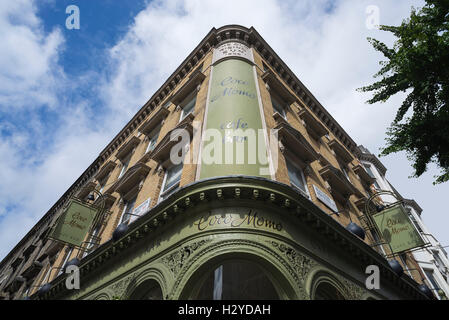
(29, 73)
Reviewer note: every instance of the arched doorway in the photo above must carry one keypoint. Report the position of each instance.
(326, 291)
(148, 290)
(235, 279)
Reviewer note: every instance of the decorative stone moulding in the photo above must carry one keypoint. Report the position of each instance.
(238, 189)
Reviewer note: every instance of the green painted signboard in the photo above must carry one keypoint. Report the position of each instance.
(233, 141)
(74, 224)
(397, 229)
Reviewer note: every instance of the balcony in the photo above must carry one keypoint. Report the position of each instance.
(161, 153)
(29, 250)
(296, 143)
(276, 85)
(108, 200)
(105, 170)
(341, 188)
(15, 284)
(32, 270)
(365, 178)
(340, 151)
(86, 189)
(156, 118)
(127, 147)
(17, 261)
(51, 248)
(192, 84)
(132, 177)
(313, 126)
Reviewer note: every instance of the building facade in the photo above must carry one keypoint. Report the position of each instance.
(432, 259)
(231, 182)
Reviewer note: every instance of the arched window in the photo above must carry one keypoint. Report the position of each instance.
(236, 280)
(326, 291)
(148, 290)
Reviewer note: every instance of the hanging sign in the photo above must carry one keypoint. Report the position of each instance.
(74, 224)
(397, 229)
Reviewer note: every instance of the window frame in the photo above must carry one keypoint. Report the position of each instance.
(125, 211)
(125, 164)
(153, 136)
(165, 193)
(276, 100)
(90, 243)
(66, 259)
(370, 172)
(187, 100)
(305, 192)
(430, 275)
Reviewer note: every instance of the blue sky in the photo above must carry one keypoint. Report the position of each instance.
(65, 93)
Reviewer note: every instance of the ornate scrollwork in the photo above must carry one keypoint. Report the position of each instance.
(299, 262)
(177, 259)
(352, 291)
(119, 287)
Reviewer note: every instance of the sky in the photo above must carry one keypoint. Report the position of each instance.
(65, 93)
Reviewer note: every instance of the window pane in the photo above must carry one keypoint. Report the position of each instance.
(173, 176)
(125, 164)
(369, 171)
(152, 142)
(432, 280)
(345, 171)
(66, 259)
(295, 176)
(188, 108)
(278, 107)
(237, 280)
(129, 210)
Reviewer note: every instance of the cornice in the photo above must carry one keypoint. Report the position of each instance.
(237, 188)
(371, 158)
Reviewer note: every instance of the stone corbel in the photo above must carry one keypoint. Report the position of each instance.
(178, 108)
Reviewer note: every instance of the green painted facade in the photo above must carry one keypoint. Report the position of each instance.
(234, 122)
(215, 220)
